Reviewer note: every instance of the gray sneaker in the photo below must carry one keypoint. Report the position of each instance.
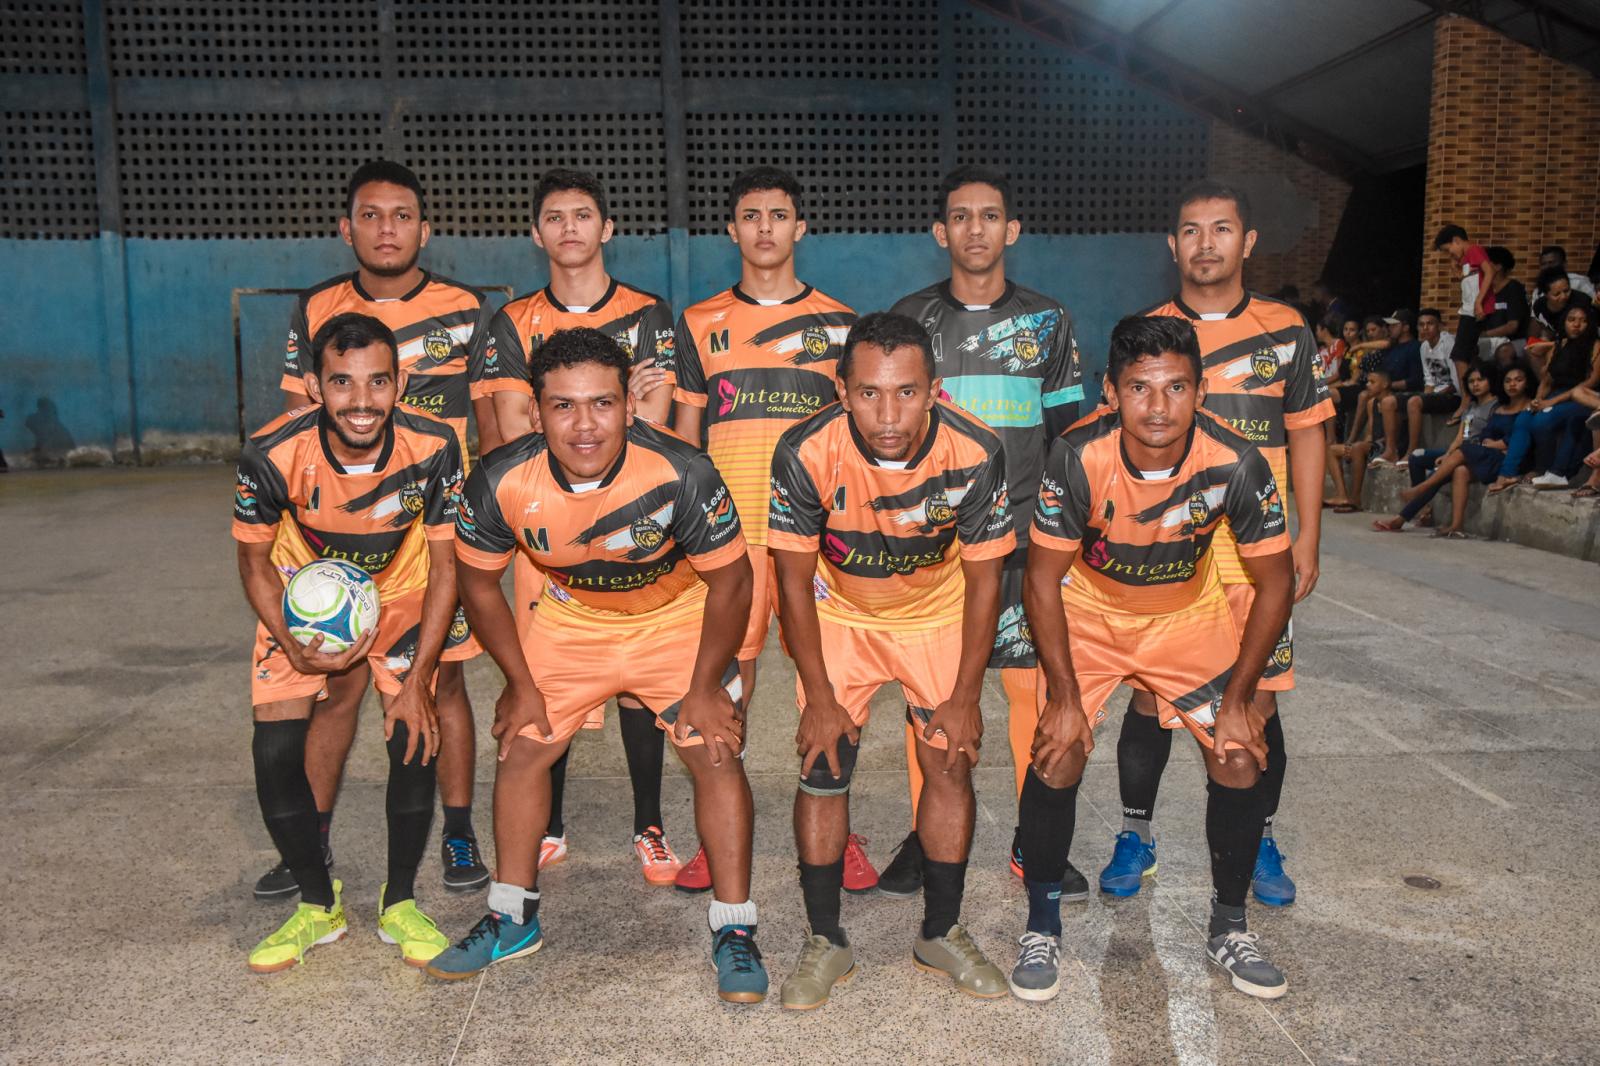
(278, 883)
(822, 965)
(957, 957)
(1037, 975)
(1253, 975)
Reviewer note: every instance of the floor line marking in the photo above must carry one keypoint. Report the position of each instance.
(1439, 767)
(1442, 644)
(476, 992)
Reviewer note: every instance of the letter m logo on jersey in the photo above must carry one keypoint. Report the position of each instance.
(539, 542)
(719, 342)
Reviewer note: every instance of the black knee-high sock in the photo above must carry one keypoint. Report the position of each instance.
(1233, 832)
(821, 886)
(1142, 751)
(1272, 778)
(288, 807)
(409, 807)
(1046, 818)
(943, 884)
(558, 788)
(645, 747)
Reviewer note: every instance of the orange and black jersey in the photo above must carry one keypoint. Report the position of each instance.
(637, 320)
(439, 325)
(294, 493)
(756, 370)
(1144, 544)
(883, 531)
(628, 546)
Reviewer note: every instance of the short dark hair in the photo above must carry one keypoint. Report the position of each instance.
(887, 330)
(1374, 320)
(563, 180)
(1501, 256)
(1550, 275)
(1139, 337)
(758, 179)
(1553, 249)
(1333, 322)
(575, 347)
(352, 329)
(1209, 189)
(1434, 311)
(389, 173)
(1448, 234)
(972, 174)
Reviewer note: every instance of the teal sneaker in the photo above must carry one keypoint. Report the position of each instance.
(1269, 883)
(740, 976)
(495, 938)
(1131, 862)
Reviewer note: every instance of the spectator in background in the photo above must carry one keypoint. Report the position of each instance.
(1473, 263)
(1323, 295)
(1506, 311)
(1551, 426)
(1550, 304)
(1403, 363)
(1476, 453)
(1591, 487)
(1366, 355)
(1441, 386)
(1554, 257)
(1356, 452)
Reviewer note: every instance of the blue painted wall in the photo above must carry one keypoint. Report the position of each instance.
(54, 342)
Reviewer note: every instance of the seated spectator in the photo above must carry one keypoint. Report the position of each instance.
(1441, 387)
(1591, 487)
(1551, 427)
(1346, 385)
(1504, 356)
(1506, 311)
(1475, 454)
(1550, 305)
(1330, 360)
(1554, 257)
(1323, 295)
(1356, 452)
(1367, 354)
(1403, 361)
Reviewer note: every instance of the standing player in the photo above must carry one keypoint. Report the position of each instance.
(1007, 355)
(883, 485)
(437, 322)
(639, 541)
(351, 477)
(572, 224)
(752, 361)
(1128, 509)
(1261, 372)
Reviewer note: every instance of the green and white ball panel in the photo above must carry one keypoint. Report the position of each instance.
(333, 598)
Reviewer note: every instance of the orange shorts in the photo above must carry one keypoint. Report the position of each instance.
(273, 679)
(527, 585)
(763, 602)
(859, 661)
(579, 668)
(1184, 658)
(1279, 674)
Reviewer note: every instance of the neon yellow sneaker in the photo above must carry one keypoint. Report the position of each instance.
(309, 926)
(403, 924)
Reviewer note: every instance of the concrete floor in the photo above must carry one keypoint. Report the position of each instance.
(1445, 726)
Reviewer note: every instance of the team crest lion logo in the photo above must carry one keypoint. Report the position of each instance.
(436, 346)
(1283, 654)
(1199, 511)
(458, 626)
(815, 340)
(1264, 362)
(647, 534)
(1025, 346)
(625, 342)
(939, 509)
(411, 498)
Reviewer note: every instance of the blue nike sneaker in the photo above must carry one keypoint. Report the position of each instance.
(1131, 862)
(495, 938)
(740, 976)
(1269, 883)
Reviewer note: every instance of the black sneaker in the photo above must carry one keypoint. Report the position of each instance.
(279, 883)
(463, 865)
(1074, 886)
(903, 876)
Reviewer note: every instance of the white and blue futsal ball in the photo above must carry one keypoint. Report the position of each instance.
(333, 598)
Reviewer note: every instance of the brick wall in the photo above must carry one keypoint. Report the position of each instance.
(1320, 204)
(1513, 154)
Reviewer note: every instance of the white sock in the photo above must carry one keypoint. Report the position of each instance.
(722, 914)
(508, 900)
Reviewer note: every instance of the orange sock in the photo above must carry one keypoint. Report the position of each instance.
(913, 771)
(1022, 696)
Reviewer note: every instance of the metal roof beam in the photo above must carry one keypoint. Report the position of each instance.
(1426, 18)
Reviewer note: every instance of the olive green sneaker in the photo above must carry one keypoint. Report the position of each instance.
(308, 927)
(957, 957)
(822, 965)
(403, 924)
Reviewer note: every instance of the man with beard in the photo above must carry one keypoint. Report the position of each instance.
(437, 323)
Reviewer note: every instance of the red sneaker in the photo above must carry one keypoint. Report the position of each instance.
(695, 875)
(859, 873)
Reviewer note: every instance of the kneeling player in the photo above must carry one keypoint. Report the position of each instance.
(1127, 510)
(883, 483)
(350, 477)
(639, 543)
